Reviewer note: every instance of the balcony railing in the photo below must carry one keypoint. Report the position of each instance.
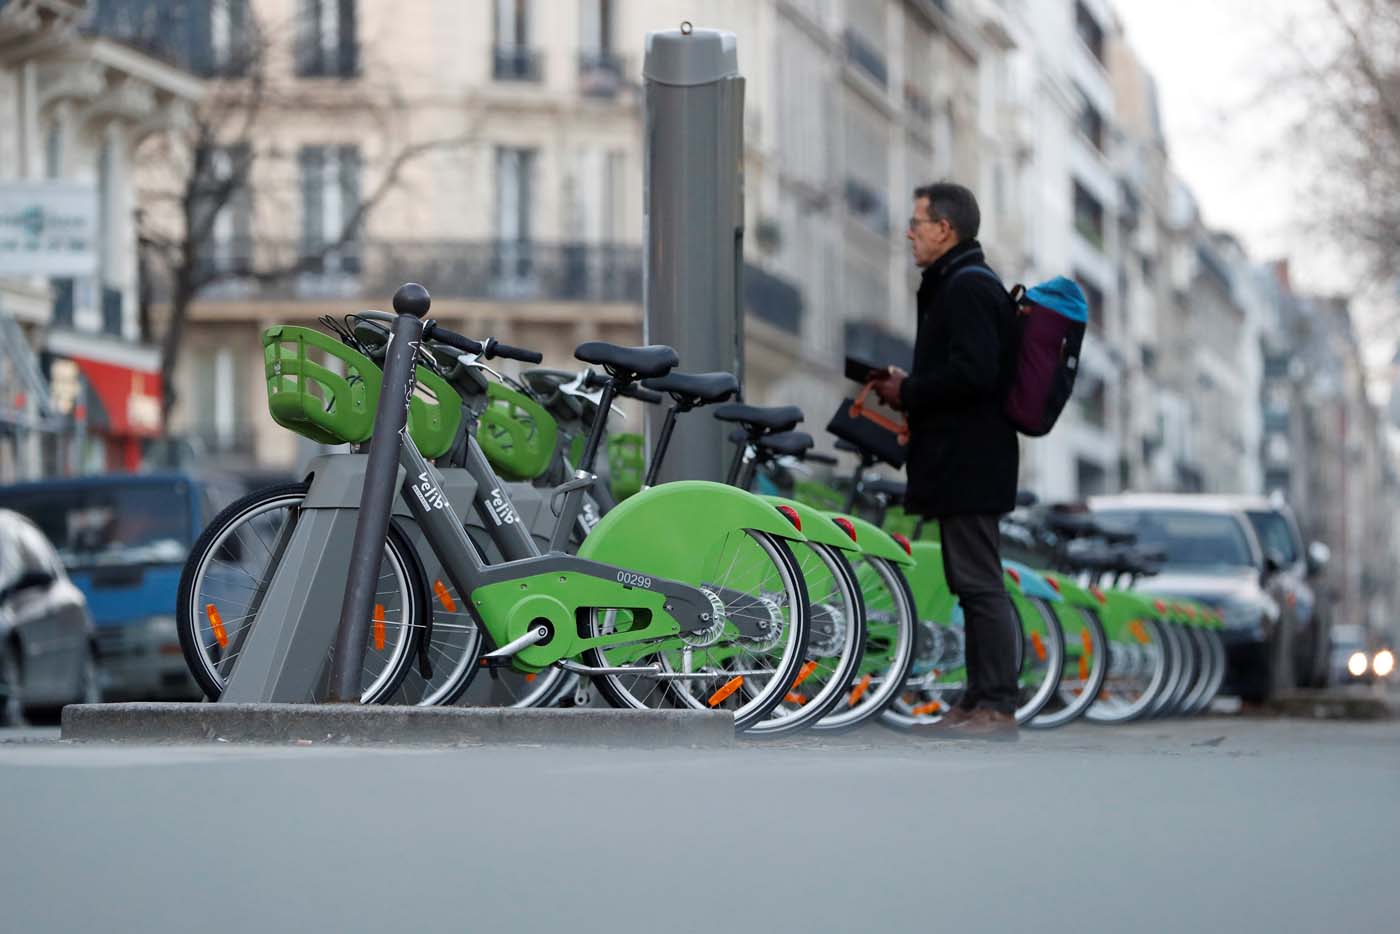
(865, 56)
(516, 63)
(520, 270)
(601, 74)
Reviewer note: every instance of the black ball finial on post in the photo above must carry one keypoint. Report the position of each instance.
(412, 299)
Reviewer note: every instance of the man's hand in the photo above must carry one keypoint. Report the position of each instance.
(888, 386)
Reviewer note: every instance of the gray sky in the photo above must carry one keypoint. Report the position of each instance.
(1212, 59)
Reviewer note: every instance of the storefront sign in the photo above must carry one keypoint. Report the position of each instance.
(48, 229)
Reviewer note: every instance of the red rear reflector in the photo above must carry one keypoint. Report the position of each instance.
(730, 686)
(847, 526)
(903, 543)
(1054, 584)
(1160, 606)
(445, 598)
(1015, 575)
(216, 622)
(792, 516)
(1098, 594)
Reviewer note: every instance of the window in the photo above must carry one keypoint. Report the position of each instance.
(1088, 216)
(330, 198)
(513, 59)
(865, 38)
(53, 151)
(1200, 541)
(1090, 479)
(228, 247)
(1272, 530)
(1093, 403)
(1089, 30)
(515, 169)
(326, 42)
(600, 69)
(229, 48)
(1091, 122)
(1093, 297)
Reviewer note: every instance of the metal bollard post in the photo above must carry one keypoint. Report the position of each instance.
(411, 303)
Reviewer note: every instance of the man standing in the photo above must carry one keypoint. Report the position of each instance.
(963, 452)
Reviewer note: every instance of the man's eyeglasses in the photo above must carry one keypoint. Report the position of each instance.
(914, 222)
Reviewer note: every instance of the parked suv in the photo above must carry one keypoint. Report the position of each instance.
(123, 539)
(1292, 569)
(1213, 555)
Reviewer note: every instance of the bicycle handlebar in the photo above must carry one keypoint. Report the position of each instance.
(488, 349)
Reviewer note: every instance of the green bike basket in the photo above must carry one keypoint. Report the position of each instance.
(516, 433)
(307, 397)
(626, 464)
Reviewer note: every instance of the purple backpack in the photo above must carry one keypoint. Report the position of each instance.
(1050, 322)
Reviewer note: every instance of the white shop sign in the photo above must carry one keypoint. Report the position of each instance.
(48, 229)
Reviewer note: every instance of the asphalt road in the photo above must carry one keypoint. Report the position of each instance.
(1224, 824)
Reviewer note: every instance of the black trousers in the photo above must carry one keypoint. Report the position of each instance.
(972, 565)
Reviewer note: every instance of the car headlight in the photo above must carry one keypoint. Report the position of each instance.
(1384, 663)
(1357, 664)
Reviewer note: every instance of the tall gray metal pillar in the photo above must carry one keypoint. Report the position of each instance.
(693, 199)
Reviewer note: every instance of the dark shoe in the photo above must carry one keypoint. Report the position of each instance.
(984, 723)
(943, 727)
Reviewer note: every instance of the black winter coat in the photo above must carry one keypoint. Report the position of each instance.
(963, 452)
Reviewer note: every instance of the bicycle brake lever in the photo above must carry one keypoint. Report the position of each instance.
(474, 360)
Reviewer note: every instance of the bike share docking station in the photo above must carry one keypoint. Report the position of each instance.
(694, 214)
(313, 616)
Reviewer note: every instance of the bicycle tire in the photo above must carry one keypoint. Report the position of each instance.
(198, 652)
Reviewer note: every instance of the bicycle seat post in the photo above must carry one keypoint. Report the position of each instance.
(411, 302)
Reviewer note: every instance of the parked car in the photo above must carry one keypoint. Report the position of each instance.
(123, 539)
(47, 655)
(1292, 570)
(1213, 555)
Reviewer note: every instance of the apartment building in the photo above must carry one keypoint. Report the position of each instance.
(521, 208)
(75, 107)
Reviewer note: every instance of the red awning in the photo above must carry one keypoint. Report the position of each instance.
(130, 397)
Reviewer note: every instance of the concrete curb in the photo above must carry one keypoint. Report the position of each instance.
(350, 724)
(1336, 704)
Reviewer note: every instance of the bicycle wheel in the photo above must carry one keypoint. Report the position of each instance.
(231, 565)
(748, 573)
(836, 645)
(1139, 671)
(1187, 670)
(891, 627)
(1212, 655)
(1086, 667)
(1042, 658)
(932, 693)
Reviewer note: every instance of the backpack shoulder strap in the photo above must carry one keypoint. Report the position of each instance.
(1013, 294)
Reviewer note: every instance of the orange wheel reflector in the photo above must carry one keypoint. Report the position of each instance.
(445, 598)
(1083, 668)
(1139, 633)
(732, 685)
(216, 622)
(794, 698)
(924, 710)
(1087, 638)
(379, 627)
(859, 691)
(1039, 645)
(530, 677)
(807, 669)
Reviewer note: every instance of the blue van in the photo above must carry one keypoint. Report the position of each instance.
(123, 539)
